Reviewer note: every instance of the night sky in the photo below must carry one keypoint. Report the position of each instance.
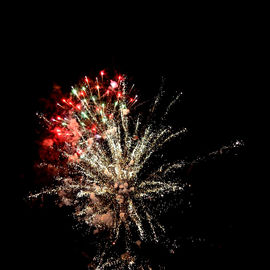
(208, 61)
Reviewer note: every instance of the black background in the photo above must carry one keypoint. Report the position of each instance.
(207, 56)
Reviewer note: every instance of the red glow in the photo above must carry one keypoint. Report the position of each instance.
(110, 116)
(82, 93)
(120, 78)
(58, 131)
(79, 151)
(64, 100)
(119, 94)
(79, 106)
(86, 80)
(102, 73)
(131, 99)
(93, 128)
(48, 142)
(97, 109)
(58, 118)
(107, 92)
(70, 103)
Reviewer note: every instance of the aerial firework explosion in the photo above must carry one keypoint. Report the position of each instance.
(103, 158)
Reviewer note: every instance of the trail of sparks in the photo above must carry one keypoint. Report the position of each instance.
(98, 152)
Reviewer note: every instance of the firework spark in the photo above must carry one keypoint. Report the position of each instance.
(100, 154)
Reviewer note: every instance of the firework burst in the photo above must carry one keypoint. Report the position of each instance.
(100, 153)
